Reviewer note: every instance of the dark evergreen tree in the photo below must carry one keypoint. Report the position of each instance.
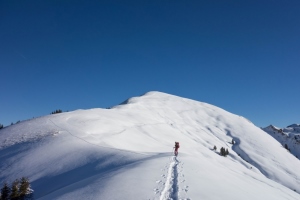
(56, 111)
(222, 150)
(286, 146)
(25, 190)
(215, 148)
(5, 192)
(232, 141)
(1, 126)
(227, 152)
(15, 195)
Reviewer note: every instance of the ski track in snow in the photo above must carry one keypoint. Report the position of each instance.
(171, 186)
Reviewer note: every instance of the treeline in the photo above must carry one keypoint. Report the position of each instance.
(56, 111)
(2, 126)
(53, 112)
(18, 190)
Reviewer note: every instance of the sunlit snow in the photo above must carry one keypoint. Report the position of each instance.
(126, 152)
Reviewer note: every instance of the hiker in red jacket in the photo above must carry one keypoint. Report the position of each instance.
(176, 148)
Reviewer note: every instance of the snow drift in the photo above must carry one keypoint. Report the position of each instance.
(126, 153)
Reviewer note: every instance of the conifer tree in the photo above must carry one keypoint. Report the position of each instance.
(15, 190)
(25, 190)
(227, 152)
(222, 151)
(5, 192)
(1, 126)
(56, 111)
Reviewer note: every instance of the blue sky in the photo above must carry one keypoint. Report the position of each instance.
(242, 56)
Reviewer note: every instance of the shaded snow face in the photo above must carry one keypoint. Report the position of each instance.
(127, 153)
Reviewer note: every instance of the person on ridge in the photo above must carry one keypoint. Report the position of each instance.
(176, 148)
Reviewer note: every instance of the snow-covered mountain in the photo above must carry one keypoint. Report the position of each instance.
(289, 137)
(126, 153)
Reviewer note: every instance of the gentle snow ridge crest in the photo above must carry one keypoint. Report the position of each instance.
(106, 153)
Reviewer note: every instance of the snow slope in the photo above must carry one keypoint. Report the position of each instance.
(126, 153)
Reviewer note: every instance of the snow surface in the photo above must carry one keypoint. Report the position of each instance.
(126, 153)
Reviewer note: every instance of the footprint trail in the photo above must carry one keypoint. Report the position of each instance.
(171, 188)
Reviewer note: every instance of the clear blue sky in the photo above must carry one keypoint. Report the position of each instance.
(242, 56)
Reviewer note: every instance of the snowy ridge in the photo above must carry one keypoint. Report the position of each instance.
(121, 153)
(288, 137)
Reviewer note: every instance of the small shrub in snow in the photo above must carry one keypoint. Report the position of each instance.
(215, 148)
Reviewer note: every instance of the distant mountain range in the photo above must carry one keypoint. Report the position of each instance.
(289, 137)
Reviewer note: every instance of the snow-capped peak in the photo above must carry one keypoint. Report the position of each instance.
(127, 153)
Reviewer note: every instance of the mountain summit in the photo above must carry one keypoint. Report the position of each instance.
(126, 152)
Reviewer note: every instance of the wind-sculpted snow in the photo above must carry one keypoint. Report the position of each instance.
(26, 131)
(124, 153)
